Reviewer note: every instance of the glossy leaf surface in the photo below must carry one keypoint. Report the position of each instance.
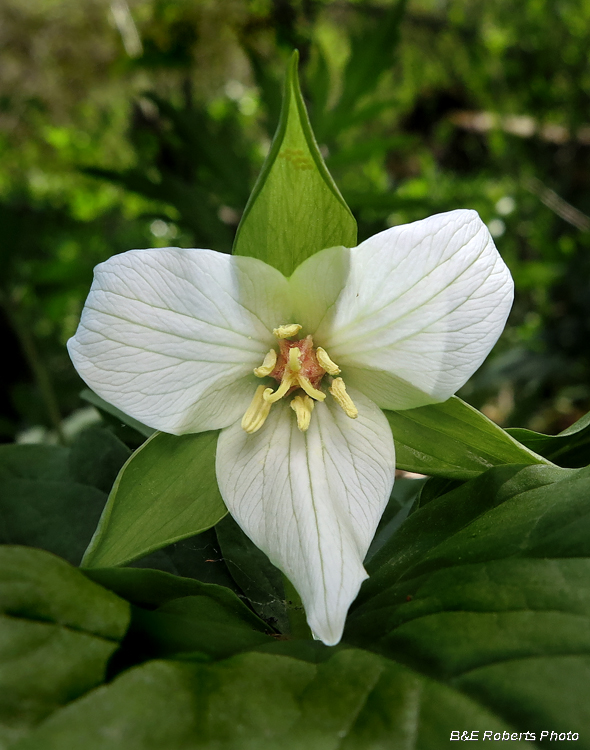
(57, 632)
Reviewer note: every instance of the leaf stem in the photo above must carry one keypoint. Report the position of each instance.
(296, 612)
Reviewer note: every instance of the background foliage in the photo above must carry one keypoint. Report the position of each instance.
(142, 124)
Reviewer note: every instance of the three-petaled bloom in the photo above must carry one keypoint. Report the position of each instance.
(180, 339)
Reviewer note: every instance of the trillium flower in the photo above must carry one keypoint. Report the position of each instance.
(295, 372)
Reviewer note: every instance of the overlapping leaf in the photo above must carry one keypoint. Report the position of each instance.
(57, 633)
(52, 497)
(352, 701)
(486, 588)
(570, 448)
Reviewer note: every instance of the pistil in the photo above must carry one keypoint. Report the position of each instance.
(298, 365)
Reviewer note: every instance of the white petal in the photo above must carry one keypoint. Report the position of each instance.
(423, 305)
(312, 501)
(317, 284)
(171, 336)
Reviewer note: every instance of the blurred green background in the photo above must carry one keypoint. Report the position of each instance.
(141, 123)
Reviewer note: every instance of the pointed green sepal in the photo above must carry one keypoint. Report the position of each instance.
(295, 209)
(167, 491)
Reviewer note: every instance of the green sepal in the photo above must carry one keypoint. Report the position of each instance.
(453, 440)
(167, 491)
(295, 209)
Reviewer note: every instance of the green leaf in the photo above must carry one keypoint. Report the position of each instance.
(453, 515)
(197, 627)
(166, 491)
(295, 209)
(352, 701)
(154, 588)
(571, 448)
(453, 440)
(254, 573)
(39, 462)
(404, 495)
(197, 557)
(57, 633)
(96, 457)
(487, 589)
(191, 619)
(52, 497)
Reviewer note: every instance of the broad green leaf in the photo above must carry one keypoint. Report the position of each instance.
(475, 609)
(57, 516)
(519, 689)
(403, 497)
(166, 491)
(435, 487)
(487, 589)
(197, 557)
(57, 633)
(96, 457)
(41, 586)
(153, 588)
(52, 497)
(256, 576)
(352, 701)
(197, 627)
(458, 514)
(40, 462)
(570, 448)
(453, 440)
(195, 619)
(295, 209)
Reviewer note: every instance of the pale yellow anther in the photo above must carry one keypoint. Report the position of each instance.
(294, 363)
(324, 361)
(267, 366)
(303, 407)
(338, 390)
(286, 331)
(309, 389)
(257, 412)
(271, 397)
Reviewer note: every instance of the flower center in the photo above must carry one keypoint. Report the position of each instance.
(297, 366)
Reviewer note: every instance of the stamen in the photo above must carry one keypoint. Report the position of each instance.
(338, 390)
(330, 367)
(286, 331)
(271, 397)
(294, 363)
(309, 389)
(267, 366)
(297, 365)
(257, 412)
(303, 407)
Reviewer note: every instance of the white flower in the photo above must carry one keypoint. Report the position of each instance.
(180, 340)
